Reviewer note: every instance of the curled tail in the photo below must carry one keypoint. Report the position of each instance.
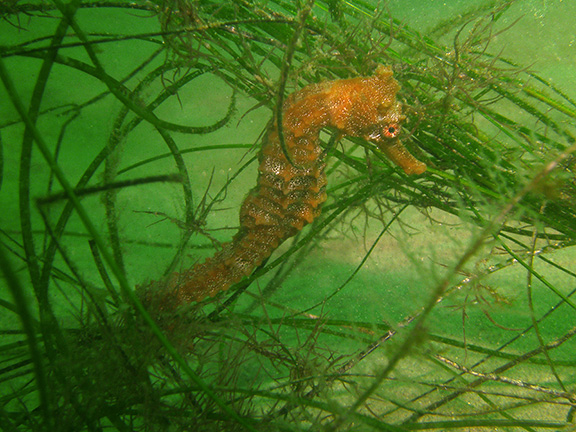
(289, 193)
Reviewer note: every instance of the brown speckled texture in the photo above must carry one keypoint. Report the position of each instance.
(288, 195)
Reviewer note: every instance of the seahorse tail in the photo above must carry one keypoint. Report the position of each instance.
(228, 266)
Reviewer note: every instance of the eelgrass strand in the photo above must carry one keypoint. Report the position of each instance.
(126, 290)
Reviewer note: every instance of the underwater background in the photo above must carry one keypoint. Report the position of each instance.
(129, 134)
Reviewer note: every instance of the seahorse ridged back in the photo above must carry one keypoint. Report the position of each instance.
(289, 193)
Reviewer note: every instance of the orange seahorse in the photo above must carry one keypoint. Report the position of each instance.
(289, 193)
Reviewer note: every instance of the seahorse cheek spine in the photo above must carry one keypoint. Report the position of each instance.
(289, 194)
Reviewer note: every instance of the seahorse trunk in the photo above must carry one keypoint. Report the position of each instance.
(289, 193)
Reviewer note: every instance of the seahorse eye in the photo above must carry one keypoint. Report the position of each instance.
(391, 131)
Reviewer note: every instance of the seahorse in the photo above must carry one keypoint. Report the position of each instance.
(290, 190)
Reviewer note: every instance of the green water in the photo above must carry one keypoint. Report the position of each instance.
(444, 259)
